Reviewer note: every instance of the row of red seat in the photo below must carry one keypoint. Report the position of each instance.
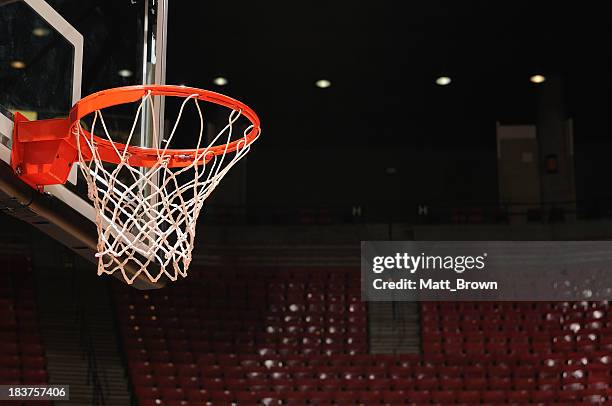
(429, 308)
(22, 359)
(371, 397)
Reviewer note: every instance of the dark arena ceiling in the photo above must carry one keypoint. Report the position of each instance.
(382, 59)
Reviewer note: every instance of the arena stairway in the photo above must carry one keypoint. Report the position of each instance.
(62, 332)
(393, 327)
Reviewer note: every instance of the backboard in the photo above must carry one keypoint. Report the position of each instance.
(51, 54)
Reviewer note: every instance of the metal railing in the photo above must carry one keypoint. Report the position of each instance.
(410, 212)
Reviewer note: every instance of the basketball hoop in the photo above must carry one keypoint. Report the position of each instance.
(146, 200)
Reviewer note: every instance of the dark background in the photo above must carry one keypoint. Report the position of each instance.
(384, 109)
(384, 133)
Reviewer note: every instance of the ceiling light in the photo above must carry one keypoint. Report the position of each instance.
(323, 83)
(125, 73)
(220, 81)
(443, 81)
(18, 64)
(537, 79)
(41, 31)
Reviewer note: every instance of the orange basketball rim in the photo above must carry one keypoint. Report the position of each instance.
(44, 151)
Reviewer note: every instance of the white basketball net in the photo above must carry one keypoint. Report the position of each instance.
(146, 221)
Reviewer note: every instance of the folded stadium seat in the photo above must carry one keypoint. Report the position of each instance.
(373, 372)
(211, 371)
(10, 376)
(357, 348)
(356, 384)
(541, 396)
(497, 348)
(248, 361)
(424, 371)
(188, 382)
(166, 381)
(351, 372)
(332, 385)
(574, 372)
(499, 383)
(569, 396)
(197, 396)
(472, 349)
(529, 358)
(542, 348)
(443, 396)
(365, 360)
(160, 357)
(493, 396)
(150, 402)
(187, 369)
(445, 371)
(147, 392)
(221, 396)
(278, 373)
(296, 398)
(236, 384)
(426, 383)
(587, 341)
(246, 397)
(156, 344)
(131, 342)
(305, 372)
(447, 383)
(181, 357)
(163, 368)
(9, 349)
(468, 396)
(140, 354)
(226, 360)
(10, 361)
(563, 343)
(475, 383)
(369, 398)
(518, 396)
(307, 384)
(379, 384)
(175, 403)
(399, 372)
(204, 359)
(33, 362)
(502, 369)
(594, 397)
(282, 386)
(518, 349)
(418, 397)
(573, 386)
(429, 347)
(393, 397)
(605, 342)
(140, 367)
(524, 383)
(548, 383)
(34, 376)
(143, 380)
(172, 393)
(31, 349)
(216, 384)
(599, 383)
(321, 398)
(150, 332)
(345, 397)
